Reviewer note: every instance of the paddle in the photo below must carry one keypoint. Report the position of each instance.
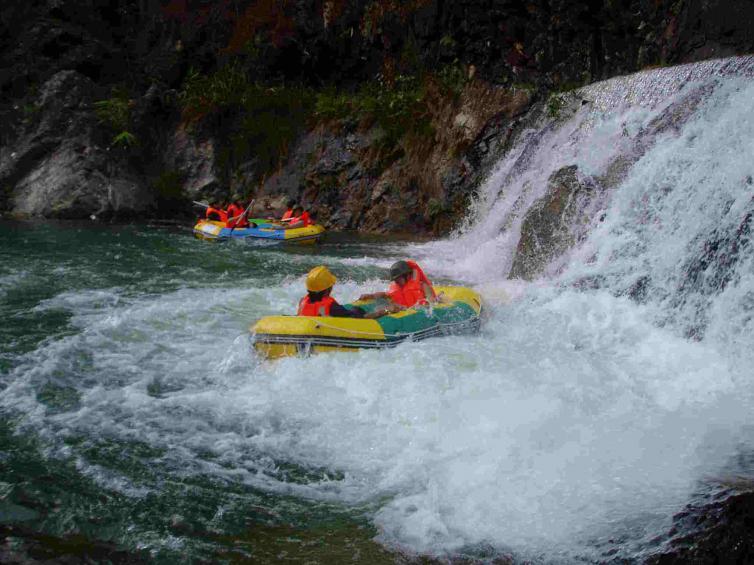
(204, 204)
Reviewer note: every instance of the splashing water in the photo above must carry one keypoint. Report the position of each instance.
(572, 428)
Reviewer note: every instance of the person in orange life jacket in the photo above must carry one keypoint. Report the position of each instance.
(288, 214)
(289, 206)
(318, 302)
(300, 218)
(237, 216)
(234, 213)
(216, 213)
(410, 286)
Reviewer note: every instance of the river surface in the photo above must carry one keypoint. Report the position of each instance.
(133, 411)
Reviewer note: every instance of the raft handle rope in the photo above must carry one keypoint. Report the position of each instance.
(399, 334)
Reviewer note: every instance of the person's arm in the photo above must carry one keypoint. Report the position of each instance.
(391, 308)
(374, 296)
(338, 311)
(428, 293)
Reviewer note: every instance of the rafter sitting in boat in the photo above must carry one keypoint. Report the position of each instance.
(300, 218)
(409, 286)
(318, 302)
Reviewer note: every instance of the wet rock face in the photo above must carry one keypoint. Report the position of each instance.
(718, 532)
(194, 157)
(351, 181)
(555, 222)
(520, 47)
(60, 165)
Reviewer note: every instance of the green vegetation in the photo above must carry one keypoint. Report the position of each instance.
(398, 109)
(168, 186)
(453, 78)
(203, 95)
(30, 112)
(115, 112)
(435, 207)
(263, 119)
(555, 104)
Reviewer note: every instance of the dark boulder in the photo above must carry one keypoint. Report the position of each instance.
(62, 165)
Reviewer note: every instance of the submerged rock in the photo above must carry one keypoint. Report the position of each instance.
(719, 532)
(555, 222)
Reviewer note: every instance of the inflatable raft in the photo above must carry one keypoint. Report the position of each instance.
(280, 336)
(216, 231)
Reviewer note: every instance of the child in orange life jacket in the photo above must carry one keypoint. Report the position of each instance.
(300, 218)
(410, 286)
(288, 214)
(318, 302)
(289, 206)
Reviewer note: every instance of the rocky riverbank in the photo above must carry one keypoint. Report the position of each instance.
(380, 116)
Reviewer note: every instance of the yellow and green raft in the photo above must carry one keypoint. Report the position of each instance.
(281, 336)
(216, 231)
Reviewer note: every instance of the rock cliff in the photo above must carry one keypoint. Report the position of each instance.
(380, 115)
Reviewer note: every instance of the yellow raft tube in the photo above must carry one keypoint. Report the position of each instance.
(458, 312)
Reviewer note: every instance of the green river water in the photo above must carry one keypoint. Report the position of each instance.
(108, 311)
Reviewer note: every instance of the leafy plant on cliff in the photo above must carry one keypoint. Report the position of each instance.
(115, 112)
(168, 187)
(555, 104)
(259, 120)
(399, 109)
(203, 95)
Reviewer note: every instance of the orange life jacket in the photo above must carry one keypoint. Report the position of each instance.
(233, 211)
(219, 212)
(304, 217)
(412, 292)
(288, 214)
(321, 308)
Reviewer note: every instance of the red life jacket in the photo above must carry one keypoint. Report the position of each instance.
(321, 308)
(304, 217)
(412, 292)
(288, 214)
(215, 213)
(233, 211)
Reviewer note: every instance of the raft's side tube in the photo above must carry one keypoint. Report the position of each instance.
(281, 336)
(213, 231)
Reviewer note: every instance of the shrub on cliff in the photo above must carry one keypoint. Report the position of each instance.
(259, 120)
(399, 108)
(115, 112)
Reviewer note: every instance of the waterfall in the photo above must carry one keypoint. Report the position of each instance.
(644, 321)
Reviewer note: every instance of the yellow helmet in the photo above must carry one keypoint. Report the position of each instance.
(319, 279)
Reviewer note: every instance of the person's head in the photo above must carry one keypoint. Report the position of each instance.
(290, 204)
(400, 272)
(298, 210)
(320, 279)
